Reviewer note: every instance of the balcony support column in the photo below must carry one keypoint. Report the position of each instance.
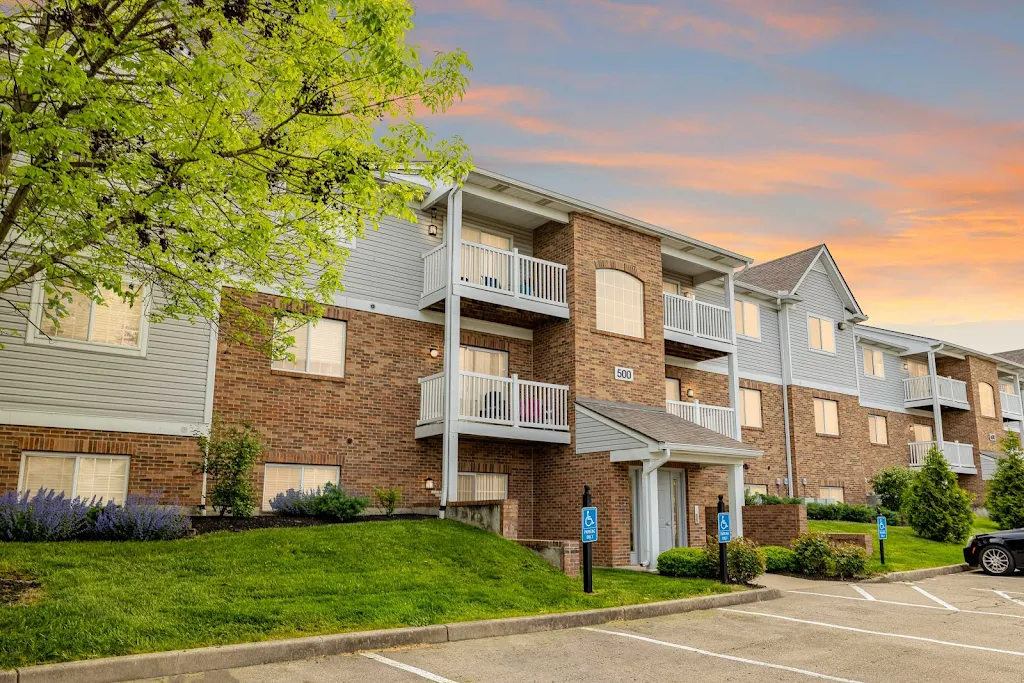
(733, 361)
(452, 338)
(936, 406)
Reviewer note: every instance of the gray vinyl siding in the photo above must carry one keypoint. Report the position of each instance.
(886, 392)
(988, 466)
(819, 297)
(593, 436)
(710, 294)
(168, 385)
(763, 357)
(387, 264)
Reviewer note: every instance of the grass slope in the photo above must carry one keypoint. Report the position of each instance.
(103, 599)
(904, 550)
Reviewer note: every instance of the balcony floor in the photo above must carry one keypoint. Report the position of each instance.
(469, 428)
(926, 404)
(497, 307)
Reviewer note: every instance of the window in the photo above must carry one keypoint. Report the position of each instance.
(756, 489)
(826, 417)
(917, 369)
(483, 361)
(1007, 387)
(879, 430)
(988, 399)
(479, 486)
(821, 333)
(85, 476)
(874, 363)
(281, 478)
(833, 494)
(488, 239)
(673, 287)
(750, 408)
(748, 319)
(672, 390)
(620, 303)
(319, 348)
(923, 433)
(115, 324)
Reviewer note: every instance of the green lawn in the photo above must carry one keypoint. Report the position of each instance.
(102, 599)
(904, 550)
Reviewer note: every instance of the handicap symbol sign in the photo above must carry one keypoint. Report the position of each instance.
(724, 528)
(883, 528)
(589, 519)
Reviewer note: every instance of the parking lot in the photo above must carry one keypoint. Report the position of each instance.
(963, 627)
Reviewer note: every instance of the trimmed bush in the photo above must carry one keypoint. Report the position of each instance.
(769, 499)
(814, 555)
(745, 558)
(1005, 501)
(850, 561)
(330, 501)
(891, 486)
(840, 512)
(685, 562)
(42, 516)
(141, 518)
(937, 508)
(779, 560)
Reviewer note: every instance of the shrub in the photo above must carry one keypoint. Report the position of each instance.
(840, 512)
(891, 517)
(43, 516)
(814, 554)
(891, 486)
(1005, 501)
(332, 502)
(688, 562)
(295, 503)
(850, 560)
(769, 499)
(141, 518)
(780, 560)
(229, 454)
(746, 559)
(388, 499)
(937, 508)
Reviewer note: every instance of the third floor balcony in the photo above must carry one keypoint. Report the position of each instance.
(918, 392)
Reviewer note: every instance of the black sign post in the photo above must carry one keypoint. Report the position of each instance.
(723, 560)
(588, 553)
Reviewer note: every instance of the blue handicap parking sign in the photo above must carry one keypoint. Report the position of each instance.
(724, 528)
(883, 528)
(589, 523)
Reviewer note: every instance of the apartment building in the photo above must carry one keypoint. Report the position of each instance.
(515, 343)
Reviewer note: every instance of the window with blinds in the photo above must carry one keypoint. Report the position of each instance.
(826, 417)
(477, 486)
(878, 430)
(821, 334)
(115, 322)
(279, 479)
(104, 478)
(750, 408)
(318, 347)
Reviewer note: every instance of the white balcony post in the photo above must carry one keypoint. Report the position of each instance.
(452, 336)
(736, 499)
(936, 406)
(515, 272)
(734, 365)
(696, 413)
(649, 481)
(514, 398)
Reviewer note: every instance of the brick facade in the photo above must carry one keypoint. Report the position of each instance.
(776, 525)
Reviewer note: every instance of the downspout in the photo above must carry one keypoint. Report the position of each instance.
(786, 372)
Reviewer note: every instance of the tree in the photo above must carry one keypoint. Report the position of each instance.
(178, 146)
(891, 484)
(1005, 501)
(229, 455)
(937, 508)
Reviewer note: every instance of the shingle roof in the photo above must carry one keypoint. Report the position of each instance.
(662, 427)
(781, 274)
(1016, 356)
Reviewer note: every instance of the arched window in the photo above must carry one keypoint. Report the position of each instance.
(620, 303)
(988, 399)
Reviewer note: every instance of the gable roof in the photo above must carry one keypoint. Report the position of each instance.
(666, 429)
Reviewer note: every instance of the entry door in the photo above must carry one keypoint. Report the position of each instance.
(671, 503)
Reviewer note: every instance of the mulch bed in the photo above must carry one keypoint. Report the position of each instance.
(13, 589)
(207, 525)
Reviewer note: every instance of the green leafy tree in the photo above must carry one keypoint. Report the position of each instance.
(891, 485)
(178, 146)
(1005, 501)
(229, 455)
(937, 508)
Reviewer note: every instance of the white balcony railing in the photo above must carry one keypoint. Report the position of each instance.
(715, 418)
(1011, 403)
(497, 270)
(958, 455)
(506, 401)
(688, 316)
(920, 388)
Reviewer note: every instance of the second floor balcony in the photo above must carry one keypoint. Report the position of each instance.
(1011, 404)
(960, 456)
(715, 418)
(918, 393)
(698, 323)
(497, 276)
(501, 407)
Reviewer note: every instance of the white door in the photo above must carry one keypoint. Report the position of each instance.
(671, 503)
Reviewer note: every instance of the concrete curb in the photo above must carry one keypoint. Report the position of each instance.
(179, 662)
(917, 574)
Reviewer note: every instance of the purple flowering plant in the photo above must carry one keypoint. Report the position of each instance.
(42, 516)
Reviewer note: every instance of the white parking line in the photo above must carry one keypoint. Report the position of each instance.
(731, 658)
(405, 667)
(932, 597)
(1005, 595)
(867, 596)
(883, 634)
(872, 599)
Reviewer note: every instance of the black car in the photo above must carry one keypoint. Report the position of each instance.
(998, 553)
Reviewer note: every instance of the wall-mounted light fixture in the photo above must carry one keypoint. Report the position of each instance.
(689, 393)
(428, 483)
(433, 352)
(432, 228)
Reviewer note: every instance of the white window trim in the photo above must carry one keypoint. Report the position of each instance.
(78, 461)
(474, 475)
(34, 334)
(865, 367)
(746, 336)
(885, 421)
(469, 347)
(684, 290)
(825, 426)
(835, 340)
(841, 489)
(302, 476)
(760, 409)
(309, 340)
(494, 233)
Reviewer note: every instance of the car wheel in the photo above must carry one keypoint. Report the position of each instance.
(996, 561)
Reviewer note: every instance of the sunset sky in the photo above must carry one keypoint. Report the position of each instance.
(893, 131)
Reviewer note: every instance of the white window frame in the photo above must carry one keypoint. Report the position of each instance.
(493, 233)
(863, 358)
(489, 474)
(872, 421)
(78, 461)
(842, 493)
(302, 476)
(470, 347)
(643, 303)
(309, 341)
(824, 418)
(741, 304)
(823, 319)
(681, 289)
(743, 409)
(35, 335)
